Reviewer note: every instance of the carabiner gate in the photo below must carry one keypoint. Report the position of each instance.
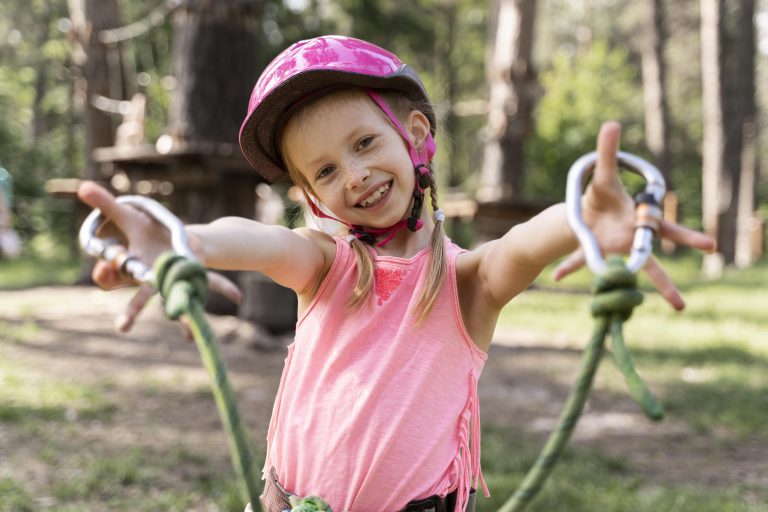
(111, 250)
(648, 209)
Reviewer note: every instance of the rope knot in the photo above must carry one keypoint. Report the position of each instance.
(179, 279)
(615, 292)
(309, 504)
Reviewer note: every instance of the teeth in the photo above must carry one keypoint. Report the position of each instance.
(375, 196)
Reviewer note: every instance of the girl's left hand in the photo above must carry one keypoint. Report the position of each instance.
(609, 212)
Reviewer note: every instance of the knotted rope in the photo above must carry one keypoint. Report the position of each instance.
(308, 504)
(614, 297)
(183, 284)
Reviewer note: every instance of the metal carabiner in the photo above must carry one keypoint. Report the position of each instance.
(648, 209)
(112, 251)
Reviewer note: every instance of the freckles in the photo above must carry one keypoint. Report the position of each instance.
(326, 189)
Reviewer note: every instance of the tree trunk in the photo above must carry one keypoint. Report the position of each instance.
(39, 124)
(655, 105)
(512, 80)
(744, 253)
(654, 89)
(712, 99)
(729, 110)
(212, 84)
(444, 49)
(90, 62)
(89, 17)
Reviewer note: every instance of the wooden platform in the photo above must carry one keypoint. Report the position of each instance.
(198, 181)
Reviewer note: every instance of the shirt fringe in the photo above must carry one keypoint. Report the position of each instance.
(467, 461)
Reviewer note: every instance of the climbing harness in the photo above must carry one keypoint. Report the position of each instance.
(614, 297)
(182, 282)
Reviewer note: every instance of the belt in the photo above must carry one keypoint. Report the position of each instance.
(275, 499)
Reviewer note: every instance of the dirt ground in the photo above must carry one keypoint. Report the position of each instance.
(158, 383)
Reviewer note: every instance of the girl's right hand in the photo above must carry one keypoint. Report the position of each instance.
(146, 240)
(142, 236)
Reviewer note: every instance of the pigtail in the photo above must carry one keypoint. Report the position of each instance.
(365, 280)
(437, 271)
(438, 267)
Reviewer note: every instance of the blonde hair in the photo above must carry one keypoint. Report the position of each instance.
(401, 105)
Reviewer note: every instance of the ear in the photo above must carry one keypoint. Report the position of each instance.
(418, 127)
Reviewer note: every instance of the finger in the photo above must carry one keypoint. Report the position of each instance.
(108, 277)
(97, 196)
(663, 284)
(682, 235)
(607, 149)
(105, 275)
(125, 321)
(220, 284)
(571, 264)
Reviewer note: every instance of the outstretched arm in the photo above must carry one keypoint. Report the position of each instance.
(511, 263)
(291, 258)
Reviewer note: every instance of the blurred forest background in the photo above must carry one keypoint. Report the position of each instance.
(518, 105)
(146, 97)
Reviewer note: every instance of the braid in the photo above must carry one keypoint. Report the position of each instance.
(365, 279)
(433, 192)
(438, 267)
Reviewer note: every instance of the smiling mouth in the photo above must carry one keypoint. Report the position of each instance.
(375, 196)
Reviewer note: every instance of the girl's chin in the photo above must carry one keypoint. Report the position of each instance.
(379, 216)
(379, 220)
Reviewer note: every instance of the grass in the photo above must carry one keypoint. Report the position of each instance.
(14, 497)
(29, 398)
(587, 480)
(44, 261)
(136, 480)
(709, 365)
(42, 418)
(37, 271)
(133, 480)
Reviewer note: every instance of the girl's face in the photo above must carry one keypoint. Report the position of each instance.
(353, 159)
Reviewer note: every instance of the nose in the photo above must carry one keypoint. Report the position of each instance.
(356, 174)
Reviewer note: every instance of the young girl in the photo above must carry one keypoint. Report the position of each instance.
(377, 408)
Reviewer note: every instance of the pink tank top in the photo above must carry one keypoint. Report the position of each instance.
(374, 411)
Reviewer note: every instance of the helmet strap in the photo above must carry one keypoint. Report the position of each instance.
(420, 160)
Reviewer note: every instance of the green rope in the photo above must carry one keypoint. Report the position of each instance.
(183, 285)
(615, 296)
(308, 504)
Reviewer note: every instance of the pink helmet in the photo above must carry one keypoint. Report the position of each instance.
(311, 66)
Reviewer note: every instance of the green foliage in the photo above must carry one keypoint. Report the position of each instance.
(39, 136)
(445, 43)
(582, 91)
(46, 261)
